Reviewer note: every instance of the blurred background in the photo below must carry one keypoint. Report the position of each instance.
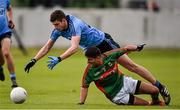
(154, 22)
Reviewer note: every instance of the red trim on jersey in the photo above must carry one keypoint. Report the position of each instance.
(85, 74)
(119, 71)
(100, 87)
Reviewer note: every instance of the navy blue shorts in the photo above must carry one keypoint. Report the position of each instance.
(107, 44)
(8, 34)
(5, 35)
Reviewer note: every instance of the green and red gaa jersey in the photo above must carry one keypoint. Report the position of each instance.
(107, 77)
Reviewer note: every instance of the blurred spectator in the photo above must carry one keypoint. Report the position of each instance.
(48, 3)
(144, 4)
(137, 4)
(153, 6)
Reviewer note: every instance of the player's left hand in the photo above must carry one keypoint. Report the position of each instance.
(140, 47)
(11, 24)
(53, 61)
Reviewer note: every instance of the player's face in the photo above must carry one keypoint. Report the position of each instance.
(95, 61)
(60, 25)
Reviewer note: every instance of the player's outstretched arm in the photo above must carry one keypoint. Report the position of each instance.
(42, 52)
(70, 51)
(127, 48)
(83, 95)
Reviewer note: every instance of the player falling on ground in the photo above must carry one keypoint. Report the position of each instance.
(118, 88)
(84, 35)
(6, 24)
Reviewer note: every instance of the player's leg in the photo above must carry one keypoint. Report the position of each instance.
(146, 88)
(126, 62)
(2, 76)
(140, 101)
(6, 43)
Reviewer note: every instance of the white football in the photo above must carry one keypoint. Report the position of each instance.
(18, 95)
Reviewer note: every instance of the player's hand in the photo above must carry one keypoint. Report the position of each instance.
(140, 47)
(53, 61)
(29, 65)
(11, 24)
(80, 103)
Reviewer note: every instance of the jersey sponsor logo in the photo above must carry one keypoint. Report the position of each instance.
(109, 72)
(104, 69)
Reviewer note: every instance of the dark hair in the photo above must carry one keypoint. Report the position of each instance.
(92, 52)
(57, 15)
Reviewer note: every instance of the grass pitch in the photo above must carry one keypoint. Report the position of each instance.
(59, 88)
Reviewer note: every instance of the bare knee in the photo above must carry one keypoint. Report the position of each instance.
(6, 53)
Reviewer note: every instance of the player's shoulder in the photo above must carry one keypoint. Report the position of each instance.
(74, 20)
(55, 32)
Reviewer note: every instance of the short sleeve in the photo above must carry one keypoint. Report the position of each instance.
(77, 24)
(55, 34)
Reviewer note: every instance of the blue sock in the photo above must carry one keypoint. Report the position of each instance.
(13, 76)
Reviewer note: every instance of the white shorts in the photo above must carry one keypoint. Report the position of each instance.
(128, 89)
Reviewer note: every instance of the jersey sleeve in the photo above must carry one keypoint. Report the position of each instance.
(116, 55)
(55, 34)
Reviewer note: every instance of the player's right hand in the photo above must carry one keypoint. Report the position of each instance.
(140, 47)
(11, 24)
(29, 65)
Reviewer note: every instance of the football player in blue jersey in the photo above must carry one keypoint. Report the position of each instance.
(84, 35)
(6, 16)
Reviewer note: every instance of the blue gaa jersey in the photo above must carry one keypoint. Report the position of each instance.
(90, 36)
(4, 5)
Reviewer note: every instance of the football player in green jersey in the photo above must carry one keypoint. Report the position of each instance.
(118, 88)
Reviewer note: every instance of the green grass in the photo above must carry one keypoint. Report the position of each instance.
(59, 88)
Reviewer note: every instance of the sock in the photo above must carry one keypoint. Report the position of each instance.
(155, 97)
(13, 79)
(158, 85)
(13, 76)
